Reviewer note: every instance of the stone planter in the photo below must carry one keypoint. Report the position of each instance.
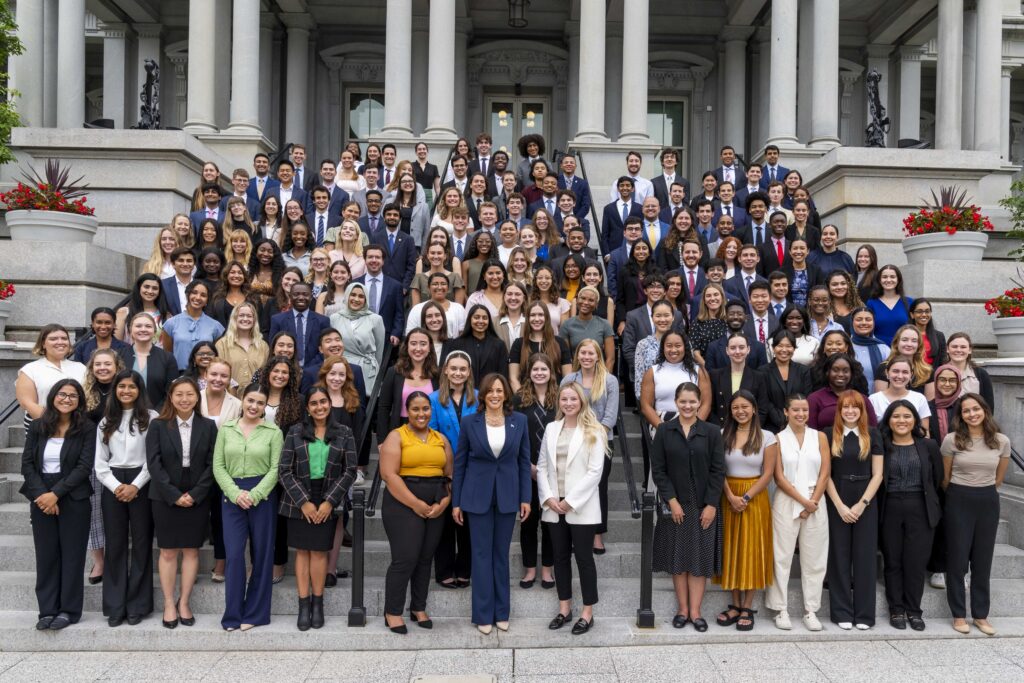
(941, 246)
(51, 226)
(1009, 337)
(5, 312)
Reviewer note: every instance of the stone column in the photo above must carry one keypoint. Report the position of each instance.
(268, 22)
(1004, 108)
(420, 66)
(988, 120)
(782, 93)
(50, 12)
(948, 85)
(114, 61)
(71, 64)
(762, 71)
(846, 129)
(180, 99)
(590, 113)
(296, 77)
(735, 86)
(245, 68)
(440, 100)
(967, 82)
(148, 47)
(336, 109)
(825, 74)
(398, 70)
(572, 39)
(202, 86)
(910, 92)
(27, 68)
(635, 38)
(463, 27)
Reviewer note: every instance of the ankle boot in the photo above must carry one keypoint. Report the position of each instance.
(304, 617)
(317, 612)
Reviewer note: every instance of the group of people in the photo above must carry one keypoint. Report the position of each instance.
(227, 400)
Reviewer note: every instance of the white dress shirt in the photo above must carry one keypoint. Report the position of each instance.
(285, 194)
(185, 432)
(126, 449)
(642, 189)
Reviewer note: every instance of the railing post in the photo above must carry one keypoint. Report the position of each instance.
(357, 612)
(645, 615)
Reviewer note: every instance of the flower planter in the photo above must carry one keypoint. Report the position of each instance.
(1009, 336)
(6, 307)
(941, 246)
(51, 226)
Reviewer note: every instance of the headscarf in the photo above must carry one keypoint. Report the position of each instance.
(348, 313)
(943, 403)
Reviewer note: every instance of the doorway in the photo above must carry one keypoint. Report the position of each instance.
(510, 117)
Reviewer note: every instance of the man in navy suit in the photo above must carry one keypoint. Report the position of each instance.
(676, 201)
(616, 261)
(761, 321)
(726, 206)
(338, 196)
(184, 262)
(705, 213)
(730, 169)
(752, 185)
(772, 170)
(549, 198)
(654, 229)
(663, 183)
(240, 181)
(566, 208)
(262, 183)
(331, 344)
(399, 247)
(384, 294)
(323, 216)
(305, 325)
(616, 213)
(288, 188)
(694, 277)
(482, 164)
(495, 171)
(373, 220)
(304, 178)
(568, 180)
(735, 319)
(212, 193)
(736, 287)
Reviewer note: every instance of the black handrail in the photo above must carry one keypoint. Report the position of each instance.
(10, 410)
(627, 462)
(1014, 456)
(594, 225)
(645, 613)
(444, 172)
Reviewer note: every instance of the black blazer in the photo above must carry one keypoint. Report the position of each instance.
(814, 274)
(294, 475)
(931, 477)
(161, 370)
(812, 235)
(721, 390)
(776, 392)
(770, 258)
(937, 342)
(676, 459)
(77, 456)
(389, 403)
(163, 456)
(488, 355)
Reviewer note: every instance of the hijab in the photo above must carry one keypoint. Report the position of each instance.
(348, 313)
(943, 403)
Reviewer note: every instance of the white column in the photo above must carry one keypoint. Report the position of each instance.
(590, 113)
(910, 92)
(948, 75)
(988, 120)
(634, 72)
(50, 12)
(202, 86)
(245, 68)
(114, 60)
(296, 78)
(71, 64)
(440, 100)
(805, 40)
(825, 74)
(735, 104)
(782, 93)
(420, 65)
(268, 22)
(1004, 108)
(397, 69)
(763, 73)
(27, 68)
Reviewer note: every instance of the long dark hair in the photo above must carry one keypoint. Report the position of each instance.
(404, 365)
(289, 411)
(113, 412)
(687, 363)
(308, 426)
(467, 331)
(50, 420)
(883, 424)
(754, 436)
(168, 412)
(193, 367)
(277, 265)
(137, 305)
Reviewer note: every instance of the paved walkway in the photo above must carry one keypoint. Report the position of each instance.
(990, 660)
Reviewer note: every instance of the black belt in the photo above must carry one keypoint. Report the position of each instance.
(855, 477)
(423, 479)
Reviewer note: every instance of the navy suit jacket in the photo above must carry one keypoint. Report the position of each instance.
(716, 356)
(584, 223)
(312, 370)
(735, 288)
(661, 190)
(480, 478)
(693, 300)
(196, 218)
(251, 205)
(739, 215)
(315, 324)
(338, 199)
(391, 305)
(780, 175)
(298, 194)
(170, 291)
(740, 173)
(333, 220)
(612, 226)
(269, 186)
(581, 188)
(399, 265)
(364, 224)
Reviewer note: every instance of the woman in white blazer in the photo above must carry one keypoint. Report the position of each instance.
(569, 470)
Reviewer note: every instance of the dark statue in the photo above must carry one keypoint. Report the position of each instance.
(874, 134)
(149, 112)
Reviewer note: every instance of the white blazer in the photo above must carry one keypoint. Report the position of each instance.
(583, 469)
(230, 409)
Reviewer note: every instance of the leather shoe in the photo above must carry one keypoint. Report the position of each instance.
(331, 580)
(527, 584)
(60, 621)
(680, 621)
(114, 622)
(916, 623)
(582, 626)
(547, 585)
(560, 620)
(44, 623)
(700, 624)
(898, 621)
(134, 619)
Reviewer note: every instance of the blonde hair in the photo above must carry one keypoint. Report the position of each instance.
(229, 220)
(92, 396)
(231, 333)
(919, 367)
(593, 431)
(191, 238)
(311, 275)
(703, 312)
(230, 253)
(600, 374)
(155, 264)
(357, 247)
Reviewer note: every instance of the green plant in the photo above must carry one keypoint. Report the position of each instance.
(1014, 203)
(10, 45)
(949, 212)
(52, 191)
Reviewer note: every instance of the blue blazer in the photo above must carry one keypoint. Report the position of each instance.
(401, 263)
(196, 218)
(315, 323)
(780, 175)
(251, 205)
(581, 188)
(446, 420)
(739, 215)
(170, 291)
(333, 221)
(480, 478)
(612, 226)
(392, 304)
(268, 188)
(616, 262)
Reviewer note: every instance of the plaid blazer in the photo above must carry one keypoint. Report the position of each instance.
(293, 470)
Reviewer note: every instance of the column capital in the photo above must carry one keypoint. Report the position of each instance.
(910, 53)
(735, 33)
(875, 51)
(848, 78)
(115, 30)
(297, 21)
(334, 63)
(1008, 69)
(148, 30)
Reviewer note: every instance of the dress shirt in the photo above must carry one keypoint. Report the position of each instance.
(318, 234)
(459, 246)
(126, 449)
(748, 279)
(485, 165)
(301, 325)
(387, 174)
(185, 432)
(461, 184)
(772, 173)
(623, 209)
(778, 307)
(820, 331)
(236, 457)
(299, 180)
(642, 189)
(182, 300)
(51, 455)
(653, 231)
(691, 281)
(213, 213)
(707, 232)
(286, 194)
(727, 209)
(759, 239)
(761, 328)
(729, 174)
(753, 188)
(669, 179)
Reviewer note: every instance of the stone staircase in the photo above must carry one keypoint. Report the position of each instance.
(619, 586)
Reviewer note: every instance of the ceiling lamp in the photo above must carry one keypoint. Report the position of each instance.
(517, 13)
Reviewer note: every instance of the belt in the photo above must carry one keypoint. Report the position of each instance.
(855, 477)
(423, 479)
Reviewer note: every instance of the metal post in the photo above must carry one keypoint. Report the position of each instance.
(357, 613)
(645, 615)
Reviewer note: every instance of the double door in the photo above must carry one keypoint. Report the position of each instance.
(511, 117)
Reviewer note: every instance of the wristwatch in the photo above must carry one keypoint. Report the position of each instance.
(746, 498)
(866, 502)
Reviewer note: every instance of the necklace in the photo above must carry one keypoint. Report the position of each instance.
(494, 421)
(421, 437)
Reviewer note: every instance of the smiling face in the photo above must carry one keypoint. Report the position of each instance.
(972, 413)
(569, 402)
(495, 397)
(687, 404)
(104, 367)
(279, 375)
(184, 399)
(839, 375)
(898, 374)
(419, 346)
(457, 370)
(254, 405)
(834, 343)
(797, 412)
(284, 346)
(218, 376)
(168, 242)
(902, 422)
(319, 407)
(959, 350)
(908, 343)
(742, 411)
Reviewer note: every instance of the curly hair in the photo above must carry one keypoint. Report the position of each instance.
(291, 408)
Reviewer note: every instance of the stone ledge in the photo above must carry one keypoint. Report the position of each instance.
(68, 262)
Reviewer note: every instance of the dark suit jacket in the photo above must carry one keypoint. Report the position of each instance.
(739, 216)
(294, 473)
(742, 194)
(736, 288)
(739, 175)
(364, 224)
(772, 408)
(812, 235)
(312, 369)
(298, 194)
(661, 190)
(196, 218)
(770, 259)
(333, 220)
(584, 223)
(77, 456)
(693, 300)
(721, 390)
(251, 205)
(780, 175)
(615, 264)
(612, 226)
(170, 291)
(309, 178)
(315, 324)
(704, 461)
(716, 356)
(931, 477)
(750, 330)
(581, 188)
(638, 326)
(161, 370)
(163, 456)
(400, 264)
(814, 275)
(480, 478)
(339, 198)
(391, 305)
(268, 188)
(389, 403)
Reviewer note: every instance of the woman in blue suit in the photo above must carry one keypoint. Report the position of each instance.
(453, 400)
(494, 446)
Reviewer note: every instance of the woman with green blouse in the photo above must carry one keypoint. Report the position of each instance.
(245, 463)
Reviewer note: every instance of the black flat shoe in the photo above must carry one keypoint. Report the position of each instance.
(44, 623)
(680, 621)
(527, 584)
(600, 551)
(422, 623)
(700, 625)
(114, 622)
(560, 621)
(60, 621)
(916, 623)
(582, 626)
(396, 629)
(898, 621)
(547, 585)
(93, 580)
(331, 580)
(453, 584)
(134, 619)
(462, 583)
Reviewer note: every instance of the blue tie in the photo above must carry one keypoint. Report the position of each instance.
(759, 240)
(728, 211)
(625, 213)
(300, 338)
(320, 232)
(391, 244)
(458, 249)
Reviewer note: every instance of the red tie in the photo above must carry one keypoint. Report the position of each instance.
(760, 330)
(693, 283)
(778, 251)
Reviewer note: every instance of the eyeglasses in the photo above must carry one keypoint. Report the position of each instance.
(946, 380)
(64, 396)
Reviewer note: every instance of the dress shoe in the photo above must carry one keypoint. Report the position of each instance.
(316, 613)
(114, 622)
(582, 626)
(303, 621)
(61, 621)
(422, 623)
(331, 580)
(44, 623)
(484, 629)
(547, 585)
(400, 629)
(216, 578)
(898, 621)
(560, 620)
(191, 621)
(502, 626)
(527, 584)
(134, 619)
(985, 628)
(246, 627)
(961, 628)
(916, 623)
(93, 580)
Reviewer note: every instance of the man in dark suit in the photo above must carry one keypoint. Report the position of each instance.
(483, 164)
(288, 187)
(575, 243)
(772, 171)
(338, 197)
(728, 207)
(566, 208)
(373, 220)
(638, 321)
(616, 213)
(399, 247)
(663, 183)
(730, 169)
(757, 210)
(384, 294)
(260, 185)
(304, 177)
(616, 261)
(330, 344)
(775, 250)
(705, 211)
(184, 262)
(761, 322)
(568, 180)
(305, 325)
(460, 173)
(752, 185)
(694, 277)
(212, 193)
(735, 319)
(388, 156)
(654, 229)
(323, 216)
(737, 286)
(676, 201)
(549, 198)
(240, 182)
(495, 174)
(778, 283)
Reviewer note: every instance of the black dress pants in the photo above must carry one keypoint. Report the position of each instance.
(852, 569)
(568, 540)
(413, 541)
(528, 532)
(128, 555)
(60, 544)
(906, 545)
(453, 558)
(971, 527)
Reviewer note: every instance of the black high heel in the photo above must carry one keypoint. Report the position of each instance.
(191, 621)
(422, 623)
(395, 629)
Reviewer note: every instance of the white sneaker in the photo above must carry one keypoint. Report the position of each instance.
(845, 625)
(938, 580)
(360, 478)
(782, 621)
(863, 627)
(811, 622)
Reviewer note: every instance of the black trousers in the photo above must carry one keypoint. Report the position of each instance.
(128, 555)
(906, 545)
(971, 524)
(602, 492)
(454, 556)
(937, 560)
(60, 544)
(852, 569)
(413, 541)
(528, 532)
(568, 540)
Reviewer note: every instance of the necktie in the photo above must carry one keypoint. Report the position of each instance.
(550, 203)
(771, 173)
(373, 223)
(387, 176)
(779, 252)
(300, 338)
(391, 244)
(374, 304)
(778, 310)
(298, 177)
(458, 249)
(652, 235)
(692, 282)
(483, 166)
(728, 210)
(625, 212)
(759, 240)
(320, 232)
(760, 330)
(478, 202)
(260, 182)
(749, 279)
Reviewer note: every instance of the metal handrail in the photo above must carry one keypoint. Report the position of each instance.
(627, 462)
(443, 171)
(645, 613)
(1016, 457)
(10, 410)
(371, 410)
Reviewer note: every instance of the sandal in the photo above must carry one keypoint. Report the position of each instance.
(724, 619)
(699, 624)
(746, 615)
